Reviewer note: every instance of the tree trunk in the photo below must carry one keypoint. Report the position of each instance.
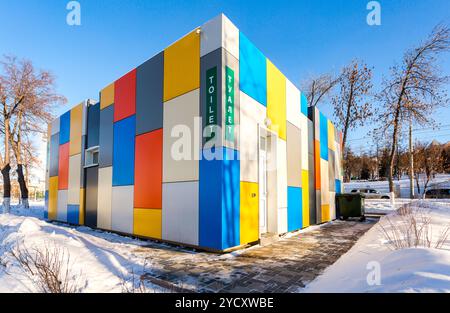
(417, 183)
(6, 188)
(23, 186)
(391, 161)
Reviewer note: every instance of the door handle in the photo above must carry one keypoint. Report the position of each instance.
(253, 195)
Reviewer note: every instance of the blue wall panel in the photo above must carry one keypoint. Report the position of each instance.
(230, 199)
(123, 151)
(253, 71)
(323, 137)
(64, 128)
(73, 214)
(294, 208)
(210, 204)
(338, 186)
(304, 104)
(46, 205)
(220, 200)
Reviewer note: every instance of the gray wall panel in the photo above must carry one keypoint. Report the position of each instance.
(93, 120)
(312, 190)
(91, 196)
(212, 59)
(106, 132)
(82, 177)
(54, 155)
(149, 95)
(331, 170)
(294, 162)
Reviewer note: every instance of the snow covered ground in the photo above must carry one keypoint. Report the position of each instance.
(374, 265)
(99, 261)
(106, 262)
(383, 186)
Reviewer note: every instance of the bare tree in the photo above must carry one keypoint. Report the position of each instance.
(432, 162)
(26, 97)
(319, 88)
(414, 90)
(350, 108)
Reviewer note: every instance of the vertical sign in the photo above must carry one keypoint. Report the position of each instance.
(229, 104)
(211, 102)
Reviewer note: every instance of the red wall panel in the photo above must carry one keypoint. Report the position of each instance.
(125, 96)
(148, 170)
(63, 170)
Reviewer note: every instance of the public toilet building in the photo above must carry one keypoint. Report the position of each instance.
(206, 144)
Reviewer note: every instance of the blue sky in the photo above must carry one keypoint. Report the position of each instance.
(301, 37)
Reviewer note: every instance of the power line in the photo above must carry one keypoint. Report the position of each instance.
(419, 131)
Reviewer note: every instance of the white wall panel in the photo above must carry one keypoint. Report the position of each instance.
(304, 129)
(122, 209)
(55, 126)
(332, 205)
(219, 32)
(62, 206)
(211, 36)
(230, 37)
(293, 112)
(74, 179)
(180, 213)
(251, 114)
(180, 115)
(104, 204)
(282, 185)
(282, 220)
(324, 182)
(84, 120)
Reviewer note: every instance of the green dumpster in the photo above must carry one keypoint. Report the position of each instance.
(350, 205)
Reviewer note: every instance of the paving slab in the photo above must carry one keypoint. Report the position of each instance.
(283, 266)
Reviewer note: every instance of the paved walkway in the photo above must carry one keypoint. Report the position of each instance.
(284, 266)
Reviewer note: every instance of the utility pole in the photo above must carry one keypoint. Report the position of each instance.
(411, 162)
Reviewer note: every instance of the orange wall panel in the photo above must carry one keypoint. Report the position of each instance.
(63, 170)
(317, 164)
(125, 96)
(148, 170)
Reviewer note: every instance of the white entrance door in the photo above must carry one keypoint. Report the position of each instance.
(263, 187)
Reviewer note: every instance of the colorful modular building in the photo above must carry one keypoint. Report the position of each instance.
(206, 144)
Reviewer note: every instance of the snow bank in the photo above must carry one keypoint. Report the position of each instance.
(405, 270)
(99, 261)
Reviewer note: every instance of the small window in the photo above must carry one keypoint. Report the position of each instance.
(373, 191)
(91, 157)
(355, 190)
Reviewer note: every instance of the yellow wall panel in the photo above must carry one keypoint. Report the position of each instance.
(249, 223)
(107, 96)
(276, 100)
(81, 216)
(331, 139)
(326, 213)
(147, 223)
(53, 198)
(76, 122)
(305, 198)
(182, 66)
